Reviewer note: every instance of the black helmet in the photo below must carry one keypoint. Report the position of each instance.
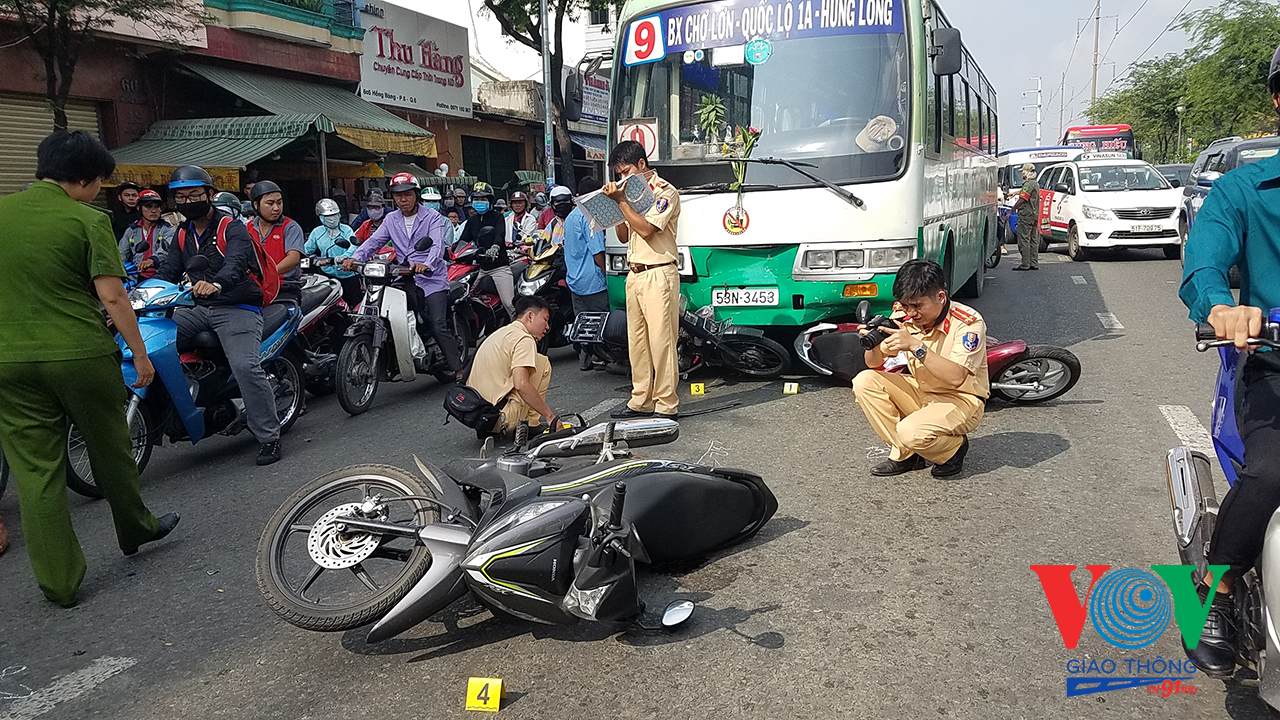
(263, 187)
(482, 189)
(190, 176)
(1273, 75)
(246, 209)
(228, 202)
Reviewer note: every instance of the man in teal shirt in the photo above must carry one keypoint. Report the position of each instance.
(1239, 225)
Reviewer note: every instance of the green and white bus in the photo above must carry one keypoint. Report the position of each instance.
(886, 159)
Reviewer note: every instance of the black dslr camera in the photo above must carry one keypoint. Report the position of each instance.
(876, 332)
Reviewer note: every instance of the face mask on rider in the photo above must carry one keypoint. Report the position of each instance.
(562, 209)
(194, 210)
(375, 213)
(331, 221)
(432, 206)
(481, 206)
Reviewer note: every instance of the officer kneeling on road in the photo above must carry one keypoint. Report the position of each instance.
(927, 414)
(510, 373)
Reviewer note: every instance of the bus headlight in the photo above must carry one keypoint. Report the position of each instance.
(819, 259)
(849, 258)
(891, 257)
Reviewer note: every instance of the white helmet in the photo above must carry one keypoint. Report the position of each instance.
(430, 195)
(327, 207)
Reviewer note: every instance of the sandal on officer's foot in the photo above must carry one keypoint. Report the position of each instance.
(889, 468)
(955, 465)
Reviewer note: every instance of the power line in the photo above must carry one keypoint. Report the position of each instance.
(1166, 29)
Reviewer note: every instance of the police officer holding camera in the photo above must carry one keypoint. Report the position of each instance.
(925, 416)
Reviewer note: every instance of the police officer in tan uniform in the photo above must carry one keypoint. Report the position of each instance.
(653, 287)
(510, 373)
(925, 416)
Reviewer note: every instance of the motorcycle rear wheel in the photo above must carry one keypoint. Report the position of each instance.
(80, 473)
(299, 524)
(357, 374)
(1058, 369)
(286, 376)
(757, 356)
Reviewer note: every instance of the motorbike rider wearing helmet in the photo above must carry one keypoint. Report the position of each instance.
(492, 246)
(279, 235)
(431, 198)
(149, 228)
(429, 290)
(1244, 204)
(520, 223)
(323, 242)
(228, 203)
(228, 301)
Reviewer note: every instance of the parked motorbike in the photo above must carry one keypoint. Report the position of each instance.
(325, 319)
(703, 341)
(376, 543)
(1018, 372)
(546, 276)
(1195, 512)
(482, 310)
(383, 344)
(194, 395)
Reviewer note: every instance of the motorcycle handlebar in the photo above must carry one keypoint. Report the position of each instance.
(1207, 337)
(615, 512)
(1205, 331)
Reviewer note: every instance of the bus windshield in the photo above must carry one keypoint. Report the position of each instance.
(1112, 178)
(839, 101)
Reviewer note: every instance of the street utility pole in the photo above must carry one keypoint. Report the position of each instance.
(548, 137)
(1093, 91)
(1038, 106)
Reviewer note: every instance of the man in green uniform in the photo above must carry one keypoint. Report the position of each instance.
(59, 364)
(1028, 208)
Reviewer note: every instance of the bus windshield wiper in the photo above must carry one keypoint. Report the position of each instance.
(723, 186)
(799, 168)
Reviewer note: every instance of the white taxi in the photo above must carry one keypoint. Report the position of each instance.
(1105, 200)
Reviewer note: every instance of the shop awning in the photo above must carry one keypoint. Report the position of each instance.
(593, 145)
(220, 145)
(391, 169)
(437, 181)
(354, 119)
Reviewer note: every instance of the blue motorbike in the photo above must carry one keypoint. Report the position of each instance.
(1195, 511)
(194, 395)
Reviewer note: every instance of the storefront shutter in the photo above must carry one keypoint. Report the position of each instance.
(25, 120)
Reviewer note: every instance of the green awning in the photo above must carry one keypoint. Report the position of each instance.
(437, 181)
(216, 142)
(355, 119)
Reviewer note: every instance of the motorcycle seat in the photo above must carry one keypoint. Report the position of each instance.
(315, 295)
(274, 316)
(206, 340)
(485, 286)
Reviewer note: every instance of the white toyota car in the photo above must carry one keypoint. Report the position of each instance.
(1105, 200)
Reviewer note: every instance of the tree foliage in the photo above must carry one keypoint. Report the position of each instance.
(521, 22)
(1221, 80)
(60, 30)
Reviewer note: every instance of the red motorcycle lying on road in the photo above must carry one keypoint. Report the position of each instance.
(1019, 372)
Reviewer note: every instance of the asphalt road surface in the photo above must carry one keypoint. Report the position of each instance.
(864, 597)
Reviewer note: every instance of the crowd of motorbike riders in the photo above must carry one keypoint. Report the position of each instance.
(232, 284)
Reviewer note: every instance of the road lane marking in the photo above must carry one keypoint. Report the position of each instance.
(67, 687)
(1188, 428)
(1109, 321)
(599, 408)
(1079, 280)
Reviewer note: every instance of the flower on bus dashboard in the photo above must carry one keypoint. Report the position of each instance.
(744, 140)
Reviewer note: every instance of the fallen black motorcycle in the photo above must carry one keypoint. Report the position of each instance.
(703, 341)
(377, 543)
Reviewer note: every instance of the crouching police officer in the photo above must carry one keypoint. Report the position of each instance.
(926, 415)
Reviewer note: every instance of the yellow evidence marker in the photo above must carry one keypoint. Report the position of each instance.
(485, 694)
(697, 389)
(790, 388)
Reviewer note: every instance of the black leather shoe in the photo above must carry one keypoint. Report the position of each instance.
(627, 413)
(269, 453)
(666, 416)
(1216, 653)
(167, 523)
(956, 464)
(1020, 268)
(897, 467)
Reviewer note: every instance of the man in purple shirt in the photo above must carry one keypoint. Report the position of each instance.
(429, 293)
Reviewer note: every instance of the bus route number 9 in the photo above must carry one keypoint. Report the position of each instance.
(645, 43)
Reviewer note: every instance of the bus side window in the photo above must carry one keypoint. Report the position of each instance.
(932, 114)
(948, 115)
(995, 130)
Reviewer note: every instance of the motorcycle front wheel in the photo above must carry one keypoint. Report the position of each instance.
(357, 374)
(80, 473)
(317, 577)
(755, 356)
(286, 375)
(1055, 369)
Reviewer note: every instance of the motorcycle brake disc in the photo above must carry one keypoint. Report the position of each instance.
(332, 549)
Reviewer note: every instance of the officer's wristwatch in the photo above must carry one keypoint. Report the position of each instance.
(920, 352)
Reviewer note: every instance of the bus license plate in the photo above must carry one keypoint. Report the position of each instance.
(1147, 228)
(744, 296)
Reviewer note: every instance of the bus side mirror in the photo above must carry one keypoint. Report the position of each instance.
(947, 51)
(572, 97)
